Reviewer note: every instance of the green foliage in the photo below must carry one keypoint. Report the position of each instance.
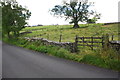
(76, 11)
(110, 53)
(93, 57)
(106, 58)
(15, 41)
(95, 60)
(113, 64)
(98, 61)
(94, 19)
(91, 21)
(61, 53)
(14, 17)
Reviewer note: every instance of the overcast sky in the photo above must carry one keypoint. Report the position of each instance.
(40, 11)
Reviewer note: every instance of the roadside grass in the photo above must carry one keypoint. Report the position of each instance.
(101, 62)
(95, 57)
(47, 49)
(100, 57)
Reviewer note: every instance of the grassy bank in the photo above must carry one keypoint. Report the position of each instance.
(68, 33)
(95, 57)
(105, 58)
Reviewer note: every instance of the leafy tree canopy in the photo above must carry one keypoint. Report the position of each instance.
(14, 17)
(75, 11)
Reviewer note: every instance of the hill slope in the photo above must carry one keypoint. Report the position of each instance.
(68, 33)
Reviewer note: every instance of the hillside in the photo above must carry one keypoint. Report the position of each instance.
(105, 57)
(68, 33)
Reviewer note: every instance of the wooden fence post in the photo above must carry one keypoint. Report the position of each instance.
(92, 43)
(112, 38)
(60, 38)
(89, 41)
(103, 41)
(106, 41)
(76, 44)
(83, 40)
(48, 36)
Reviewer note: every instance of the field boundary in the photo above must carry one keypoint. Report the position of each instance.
(89, 41)
(67, 45)
(92, 42)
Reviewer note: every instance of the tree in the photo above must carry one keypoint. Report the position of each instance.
(76, 11)
(95, 17)
(90, 21)
(14, 17)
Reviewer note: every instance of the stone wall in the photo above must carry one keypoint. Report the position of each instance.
(115, 45)
(67, 45)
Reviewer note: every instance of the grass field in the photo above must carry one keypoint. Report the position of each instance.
(68, 33)
(106, 58)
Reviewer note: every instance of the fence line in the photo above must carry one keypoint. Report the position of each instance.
(88, 41)
(73, 47)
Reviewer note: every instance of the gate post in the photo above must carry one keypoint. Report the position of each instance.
(76, 44)
(92, 43)
(106, 41)
(103, 36)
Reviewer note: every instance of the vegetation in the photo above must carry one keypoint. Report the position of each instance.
(95, 57)
(106, 58)
(68, 33)
(76, 11)
(14, 17)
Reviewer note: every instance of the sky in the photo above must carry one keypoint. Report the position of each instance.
(41, 15)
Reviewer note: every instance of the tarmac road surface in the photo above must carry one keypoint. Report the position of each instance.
(22, 63)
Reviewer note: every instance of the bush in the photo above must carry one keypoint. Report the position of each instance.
(15, 41)
(98, 61)
(61, 53)
(113, 64)
(95, 60)
(42, 49)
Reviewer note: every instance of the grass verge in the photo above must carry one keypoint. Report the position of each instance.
(95, 58)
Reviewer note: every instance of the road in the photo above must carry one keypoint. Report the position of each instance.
(22, 63)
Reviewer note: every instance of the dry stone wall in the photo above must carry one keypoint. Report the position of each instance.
(67, 45)
(115, 45)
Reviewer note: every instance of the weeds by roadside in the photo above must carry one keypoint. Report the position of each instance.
(96, 57)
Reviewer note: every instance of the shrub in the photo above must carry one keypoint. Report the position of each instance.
(61, 53)
(113, 64)
(42, 49)
(95, 60)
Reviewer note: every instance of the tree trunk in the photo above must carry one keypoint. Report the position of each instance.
(8, 34)
(18, 33)
(76, 25)
(15, 34)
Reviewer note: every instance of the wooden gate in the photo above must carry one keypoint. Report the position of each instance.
(89, 41)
